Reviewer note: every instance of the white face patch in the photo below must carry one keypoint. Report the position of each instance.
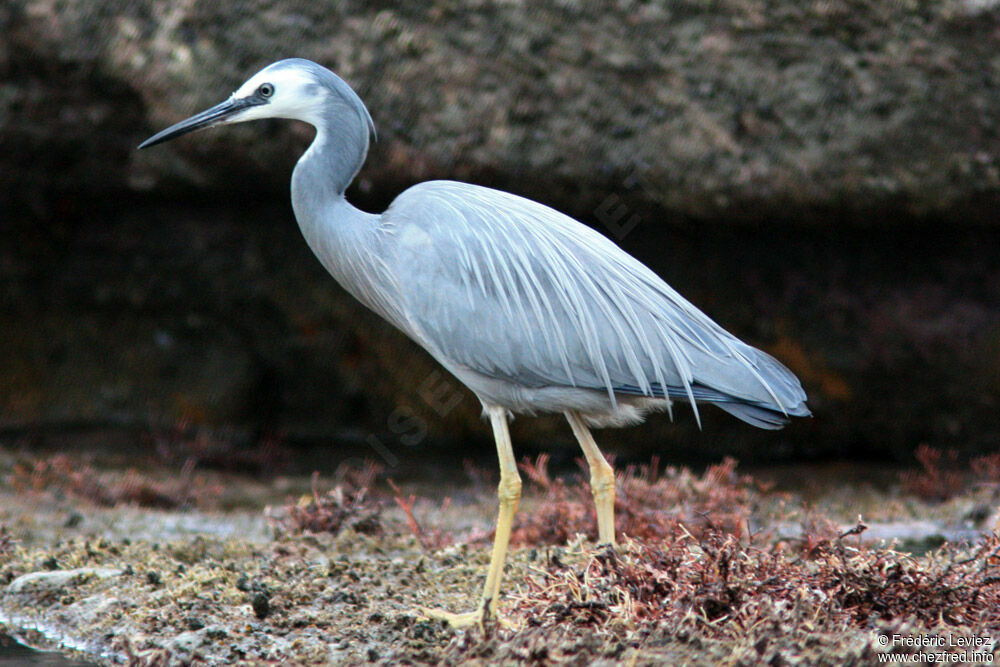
(296, 95)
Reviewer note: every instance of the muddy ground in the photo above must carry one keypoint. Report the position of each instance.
(144, 562)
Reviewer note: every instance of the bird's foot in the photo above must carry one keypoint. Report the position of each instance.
(481, 617)
(458, 621)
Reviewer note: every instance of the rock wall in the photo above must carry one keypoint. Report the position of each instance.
(744, 109)
(821, 177)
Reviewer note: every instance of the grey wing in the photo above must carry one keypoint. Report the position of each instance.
(517, 291)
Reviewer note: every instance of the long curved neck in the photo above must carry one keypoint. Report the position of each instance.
(329, 165)
(328, 221)
(345, 239)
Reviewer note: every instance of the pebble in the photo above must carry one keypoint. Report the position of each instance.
(38, 581)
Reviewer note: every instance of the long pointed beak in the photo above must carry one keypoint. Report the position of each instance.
(220, 113)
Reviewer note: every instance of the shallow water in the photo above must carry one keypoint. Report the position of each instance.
(13, 653)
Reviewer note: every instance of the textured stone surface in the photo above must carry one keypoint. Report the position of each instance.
(853, 143)
(748, 110)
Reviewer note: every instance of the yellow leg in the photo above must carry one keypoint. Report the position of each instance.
(509, 493)
(602, 478)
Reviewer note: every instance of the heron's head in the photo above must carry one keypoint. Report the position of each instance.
(293, 88)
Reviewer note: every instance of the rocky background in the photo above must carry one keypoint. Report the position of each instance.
(823, 178)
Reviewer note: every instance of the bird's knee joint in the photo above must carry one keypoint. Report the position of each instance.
(509, 488)
(603, 485)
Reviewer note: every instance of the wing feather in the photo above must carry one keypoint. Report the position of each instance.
(517, 291)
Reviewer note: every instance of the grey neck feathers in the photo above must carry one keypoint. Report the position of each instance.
(333, 160)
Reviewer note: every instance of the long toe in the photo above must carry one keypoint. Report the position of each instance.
(457, 621)
(480, 618)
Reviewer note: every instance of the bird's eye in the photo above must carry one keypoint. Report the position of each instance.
(265, 90)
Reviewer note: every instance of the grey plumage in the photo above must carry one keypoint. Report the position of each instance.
(535, 311)
(532, 310)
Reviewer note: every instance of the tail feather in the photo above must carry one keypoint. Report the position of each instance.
(756, 415)
(752, 412)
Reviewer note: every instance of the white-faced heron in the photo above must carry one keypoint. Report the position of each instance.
(532, 310)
